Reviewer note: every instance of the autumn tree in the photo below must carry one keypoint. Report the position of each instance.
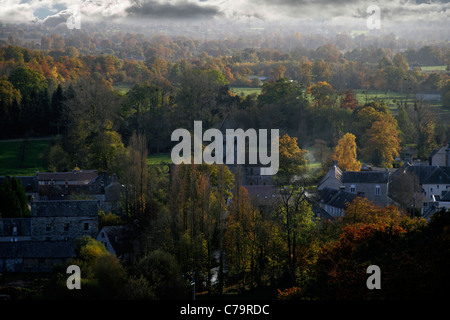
(382, 143)
(240, 237)
(198, 195)
(293, 212)
(425, 123)
(198, 96)
(292, 161)
(345, 153)
(135, 177)
(348, 100)
(321, 71)
(90, 114)
(323, 94)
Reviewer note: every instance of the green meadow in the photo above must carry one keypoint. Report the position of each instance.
(19, 158)
(245, 90)
(160, 158)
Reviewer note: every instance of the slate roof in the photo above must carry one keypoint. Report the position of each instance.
(67, 208)
(446, 197)
(365, 177)
(262, 191)
(37, 249)
(430, 174)
(337, 198)
(75, 175)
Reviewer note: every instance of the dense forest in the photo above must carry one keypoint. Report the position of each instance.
(308, 94)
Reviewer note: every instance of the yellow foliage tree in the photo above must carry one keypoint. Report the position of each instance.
(345, 153)
(382, 142)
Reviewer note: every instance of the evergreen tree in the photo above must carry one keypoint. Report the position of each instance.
(13, 200)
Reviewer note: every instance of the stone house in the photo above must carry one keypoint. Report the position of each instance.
(374, 185)
(46, 238)
(74, 177)
(332, 179)
(15, 229)
(63, 220)
(441, 156)
(34, 256)
(434, 180)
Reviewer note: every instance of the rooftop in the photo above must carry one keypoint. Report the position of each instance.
(337, 198)
(75, 175)
(429, 174)
(365, 177)
(37, 249)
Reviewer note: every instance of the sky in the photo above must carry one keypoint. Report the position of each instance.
(53, 12)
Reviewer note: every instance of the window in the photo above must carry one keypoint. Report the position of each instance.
(48, 227)
(86, 226)
(66, 227)
(377, 190)
(352, 188)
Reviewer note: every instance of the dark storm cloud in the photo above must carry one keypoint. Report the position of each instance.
(178, 10)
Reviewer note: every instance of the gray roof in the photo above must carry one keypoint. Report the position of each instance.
(337, 198)
(365, 177)
(262, 191)
(75, 175)
(429, 174)
(37, 249)
(446, 197)
(67, 208)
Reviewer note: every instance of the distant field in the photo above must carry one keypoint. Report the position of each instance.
(391, 99)
(245, 90)
(155, 159)
(123, 87)
(433, 68)
(10, 163)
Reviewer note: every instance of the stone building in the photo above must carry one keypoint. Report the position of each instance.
(63, 220)
(332, 179)
(35, 244)
(374, 185)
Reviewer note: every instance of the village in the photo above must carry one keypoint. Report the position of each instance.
(65, 206)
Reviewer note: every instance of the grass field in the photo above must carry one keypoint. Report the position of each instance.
(33, 160)
(159, 158)
(245, 90)
(123, 87)
(433, 68)
(392, 98)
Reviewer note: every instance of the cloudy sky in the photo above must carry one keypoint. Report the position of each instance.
(52, 12)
